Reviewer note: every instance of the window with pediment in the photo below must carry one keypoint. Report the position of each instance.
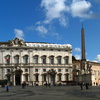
(44, 59)
(59, 77)
(66, 60)
(35, 59)
(44, 77)
(7, 58)
(67, 77)
(51, 59)
(25, 58)
(59, 59)
(16, 59)
(36, 77)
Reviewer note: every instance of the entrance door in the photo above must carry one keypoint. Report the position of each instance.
(18, 79)
(52, 79)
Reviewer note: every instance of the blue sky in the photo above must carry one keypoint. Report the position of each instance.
(53, 21)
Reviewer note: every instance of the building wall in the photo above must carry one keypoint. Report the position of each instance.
(79, 75)
(28, 72)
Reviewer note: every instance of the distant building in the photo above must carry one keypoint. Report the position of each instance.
(35, 63)
(92, 75)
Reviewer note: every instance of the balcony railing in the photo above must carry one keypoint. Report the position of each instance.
(32, 64)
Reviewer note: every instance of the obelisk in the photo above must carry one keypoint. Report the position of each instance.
(83, 58)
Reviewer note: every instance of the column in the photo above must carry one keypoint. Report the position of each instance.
(20, 57)
(63, 77)
(14, 79)
(40, 79)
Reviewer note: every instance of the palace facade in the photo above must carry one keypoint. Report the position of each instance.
(35, 63)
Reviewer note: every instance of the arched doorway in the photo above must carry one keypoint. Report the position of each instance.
(51, 74)
(18, 76)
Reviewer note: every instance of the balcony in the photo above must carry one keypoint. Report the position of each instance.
(33, 64)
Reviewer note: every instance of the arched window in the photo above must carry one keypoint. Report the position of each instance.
(35, 59)
(16, 59)
(25, 58)
(51, 59)
(59, 59)
(66, 60)
(44, 59)
(7, 58)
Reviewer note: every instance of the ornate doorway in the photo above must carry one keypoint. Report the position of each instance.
(51, 74)
(18, 76)
(17, 79)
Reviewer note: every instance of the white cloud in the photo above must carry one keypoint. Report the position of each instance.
(78, 56)
(56, 35)
(97, 58)
(77, 50)
(81, 9)
(42, 30)
(30, 28)
(60, 9)
(19, 33)
(54, 10)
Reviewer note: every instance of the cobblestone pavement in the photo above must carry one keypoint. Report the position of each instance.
(52, 93)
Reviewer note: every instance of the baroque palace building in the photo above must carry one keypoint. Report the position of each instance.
(35, 63)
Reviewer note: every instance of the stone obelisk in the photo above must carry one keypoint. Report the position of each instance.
(83, 58)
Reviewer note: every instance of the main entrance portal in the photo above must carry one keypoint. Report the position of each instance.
(18, 74)
(17, 79)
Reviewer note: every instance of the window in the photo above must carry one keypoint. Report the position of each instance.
(26, 59)
(36, 70)
(26, 78)
(44, 77)
(67, 77)
(66, 70)
(59, 50)
(59, 59)
(66, 60)
(44, 59)
(36, 77)
(16, 58)
(8, 78)
(7, 59)
(26, 70)
(51, 59)
(59, 77)
(8, 70)
(94, 72)
(59, 70)
(44, 70)
(35, 58)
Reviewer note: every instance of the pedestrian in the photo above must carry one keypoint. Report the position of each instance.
(81, 85)
(49, 84)
(7, 88)
(23, 85)
(46, 84)
(86, 85)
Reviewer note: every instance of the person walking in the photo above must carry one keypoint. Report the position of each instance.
(7, 88)
(86, 85)
(81, 85)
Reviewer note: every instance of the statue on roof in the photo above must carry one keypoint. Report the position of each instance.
(17, 42)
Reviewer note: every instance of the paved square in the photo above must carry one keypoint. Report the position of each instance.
(53, 93)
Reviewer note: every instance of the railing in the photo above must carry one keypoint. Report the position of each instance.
(32, 64)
